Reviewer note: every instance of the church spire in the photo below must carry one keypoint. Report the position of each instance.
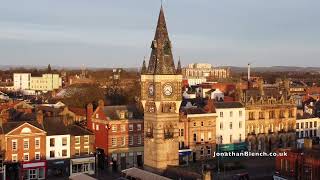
(161, 59)
(144, 67)
(179, 69)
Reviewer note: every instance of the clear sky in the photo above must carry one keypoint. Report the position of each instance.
(118, 33)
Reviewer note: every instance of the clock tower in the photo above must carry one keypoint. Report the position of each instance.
(161, 99)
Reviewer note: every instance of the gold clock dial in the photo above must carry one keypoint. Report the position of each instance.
(151, 89)
(167, 90)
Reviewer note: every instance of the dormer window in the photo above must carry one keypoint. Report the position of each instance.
(130, 115)
(122, 115)
(97, 115)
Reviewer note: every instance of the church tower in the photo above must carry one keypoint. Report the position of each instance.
(161, 99)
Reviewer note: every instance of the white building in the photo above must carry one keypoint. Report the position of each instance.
(202, 70)
(46, 82)
(230, 122)
(57, 147)
(307, 127)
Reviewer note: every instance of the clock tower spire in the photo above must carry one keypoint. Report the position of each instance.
(161, 99)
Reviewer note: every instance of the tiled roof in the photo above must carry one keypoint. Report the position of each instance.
(224, 105)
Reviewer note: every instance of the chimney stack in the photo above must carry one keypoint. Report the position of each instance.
(89, 115)
(40, 117)
(249, 66)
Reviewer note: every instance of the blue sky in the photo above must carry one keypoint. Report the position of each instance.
(118, 33)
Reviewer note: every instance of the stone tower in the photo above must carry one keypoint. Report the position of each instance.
(161, 99)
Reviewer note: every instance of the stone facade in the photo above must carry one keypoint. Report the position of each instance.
(270, 118)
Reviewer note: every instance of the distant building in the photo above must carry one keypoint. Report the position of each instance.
(198, 73)
(27, 82)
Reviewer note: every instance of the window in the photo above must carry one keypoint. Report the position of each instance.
(240, 138)
(26, 156)
(306, 124)
(33, 174)
(181, 132)
(25, 144)
(231, 113)
(271, 115)
(315, 132)
(114, 141)
(77, 151)
(52, 142)
(310, 124)
(221, 114)
(291, 113)
(281, 114)
(37, 155)
(41, 173)
(123, 128)
(86, 149)
(139, 139)
(297, 125)
(64, 152)
(123, 140)
(208, 151)
(202, 137)
(315, 124)
(201, 123)
(306, 134)
(230, 125)
(52, 154)
(201, 151)
(97, 115)
(240, 113)
(86, 139)
(37, 143)
(230, 138)
(302, 125)
(114, 128)
(221, 125)
(130, 127)
(14, 158)
(130, 140)
(93, 126)
(251, 116)
(97, 127)
(301, 134)
(77, 139)
(194, 124)
(14, 145)
(194, 137)
(64, 141)
(261, 115)
(209, 136)
(138, 127)
(240, 124)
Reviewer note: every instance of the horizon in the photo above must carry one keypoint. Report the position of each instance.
(106, 34)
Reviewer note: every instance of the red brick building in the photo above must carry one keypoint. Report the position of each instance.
(300, 164)
(119, 133)
(24, 147)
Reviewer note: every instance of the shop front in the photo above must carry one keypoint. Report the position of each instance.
(82, 165)
(58, 168)
(184, 156)
(33, 170)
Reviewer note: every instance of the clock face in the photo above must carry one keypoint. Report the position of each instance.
(167, 90)
(151, 90)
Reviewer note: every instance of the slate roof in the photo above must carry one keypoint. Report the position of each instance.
(161, 59)
(54, 126)
(9, 126)
(112, 111)
(76, 130)
(224, 105)
(193, 110)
